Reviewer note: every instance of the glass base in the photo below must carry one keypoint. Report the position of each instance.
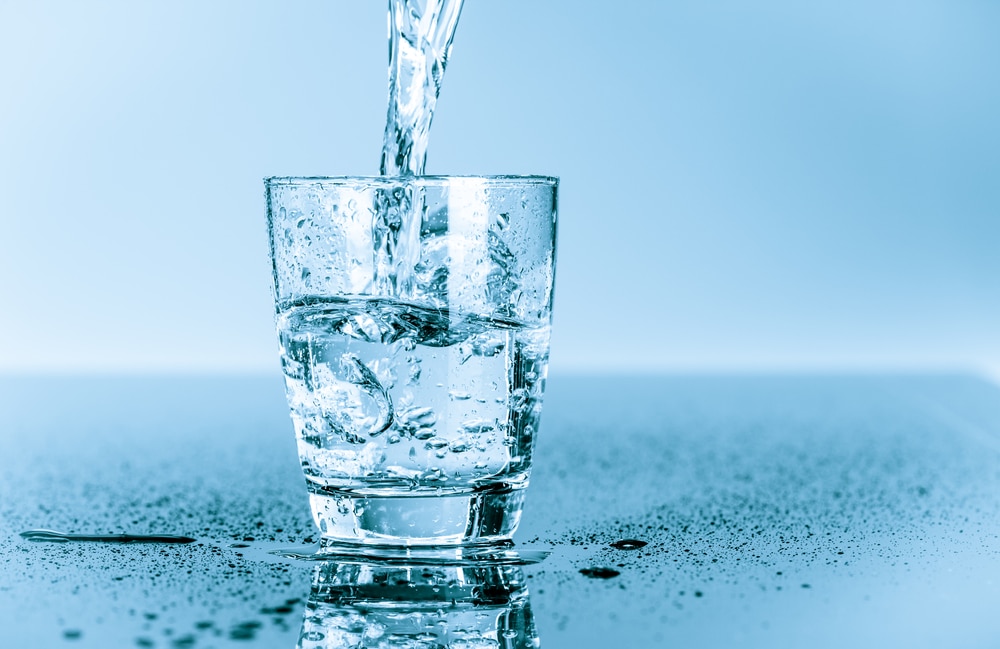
(415, 517)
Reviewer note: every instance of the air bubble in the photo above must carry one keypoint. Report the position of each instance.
(416, 420)
(434, 473)
(477, 426)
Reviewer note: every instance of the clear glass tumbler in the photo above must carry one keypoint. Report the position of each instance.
(413, 318)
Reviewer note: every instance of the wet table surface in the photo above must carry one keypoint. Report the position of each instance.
(776, 511)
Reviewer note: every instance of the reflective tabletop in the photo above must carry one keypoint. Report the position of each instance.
(709, 511)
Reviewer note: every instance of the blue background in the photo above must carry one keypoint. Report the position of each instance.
(782, 186)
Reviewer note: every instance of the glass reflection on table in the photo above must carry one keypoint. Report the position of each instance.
(371, 605)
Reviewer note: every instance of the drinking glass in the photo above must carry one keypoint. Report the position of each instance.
(413, 318)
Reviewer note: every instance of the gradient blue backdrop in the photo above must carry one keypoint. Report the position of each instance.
(745, 186)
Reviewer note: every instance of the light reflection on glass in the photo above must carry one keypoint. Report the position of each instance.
(368, 605)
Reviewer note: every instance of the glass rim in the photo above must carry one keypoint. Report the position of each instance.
(397, 180)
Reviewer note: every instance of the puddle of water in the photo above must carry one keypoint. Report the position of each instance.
(51, 536)
(628, 544)
(471, 556)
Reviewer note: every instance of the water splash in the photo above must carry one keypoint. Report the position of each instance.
(361, 375)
